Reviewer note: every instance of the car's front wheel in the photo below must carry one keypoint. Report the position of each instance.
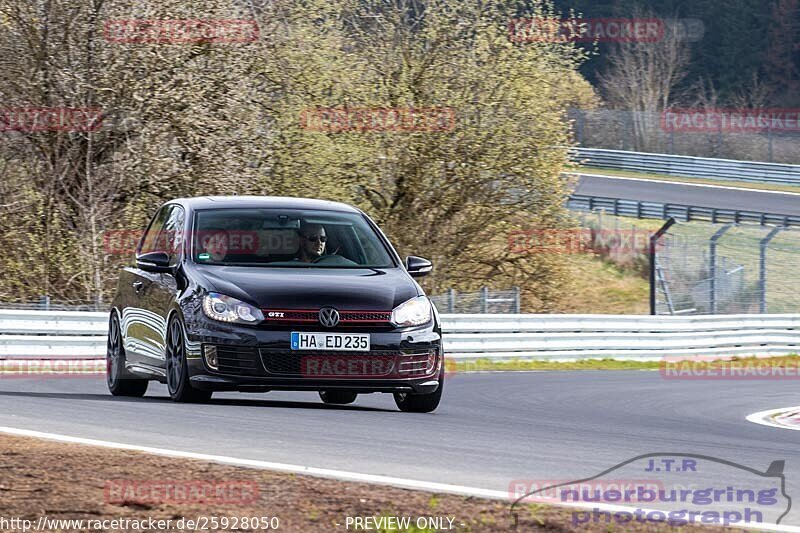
(337, 397)
(420, 403)
(180, 389)
(120, 381)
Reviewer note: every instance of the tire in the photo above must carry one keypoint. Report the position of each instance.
(178, 384)
(420, 403)
(337, 397)
(120, 382)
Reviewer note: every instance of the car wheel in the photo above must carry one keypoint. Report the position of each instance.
(180, 389)
(120, 382)
(420, 403)
(338, 397)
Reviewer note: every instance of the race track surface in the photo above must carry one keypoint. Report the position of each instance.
(490, 430)
(699, 195)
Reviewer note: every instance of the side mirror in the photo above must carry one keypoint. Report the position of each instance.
(154, 262)
(418, 266)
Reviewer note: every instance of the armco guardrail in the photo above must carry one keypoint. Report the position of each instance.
(685, 213)
(618, 336)
(687, 166)
(81, 335)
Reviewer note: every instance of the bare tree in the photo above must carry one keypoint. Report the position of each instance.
(641, 78)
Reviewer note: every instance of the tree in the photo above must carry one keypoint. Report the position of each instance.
(641, 78)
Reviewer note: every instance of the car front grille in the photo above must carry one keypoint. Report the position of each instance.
(310, 317)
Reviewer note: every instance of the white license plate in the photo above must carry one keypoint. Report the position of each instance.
(340, 342)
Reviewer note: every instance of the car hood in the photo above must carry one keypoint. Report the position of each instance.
(312, 288)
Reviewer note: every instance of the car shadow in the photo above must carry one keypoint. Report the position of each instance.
(244, 402)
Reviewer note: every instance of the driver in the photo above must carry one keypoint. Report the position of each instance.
(215, 244)
(312, 242)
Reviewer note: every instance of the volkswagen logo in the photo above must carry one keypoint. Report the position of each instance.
(329, 317)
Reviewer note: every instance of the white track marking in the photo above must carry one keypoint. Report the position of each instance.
(343, 475)
(768, 418)
(705, 185)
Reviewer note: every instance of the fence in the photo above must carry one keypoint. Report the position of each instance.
(644, 132)
(725, 269)
(685, 213)
(78, 335)
(484, 301)
(692, 167)
(46, 305)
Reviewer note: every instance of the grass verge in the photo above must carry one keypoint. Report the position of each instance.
(743, 363)
(93, 484)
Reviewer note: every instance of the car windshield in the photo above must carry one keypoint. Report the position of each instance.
(286, 238)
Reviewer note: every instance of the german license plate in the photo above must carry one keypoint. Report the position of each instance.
(340, 342)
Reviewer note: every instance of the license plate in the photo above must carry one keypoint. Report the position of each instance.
(340, 342)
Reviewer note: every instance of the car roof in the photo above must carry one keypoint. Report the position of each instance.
(278, 202)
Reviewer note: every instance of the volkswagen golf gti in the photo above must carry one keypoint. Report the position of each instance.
(256, 294)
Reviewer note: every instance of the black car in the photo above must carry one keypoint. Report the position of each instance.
(267, 293)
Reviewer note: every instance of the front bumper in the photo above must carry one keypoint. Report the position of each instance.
(252, 359)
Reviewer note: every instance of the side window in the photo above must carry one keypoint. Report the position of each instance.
(150, 241)
(172, 236)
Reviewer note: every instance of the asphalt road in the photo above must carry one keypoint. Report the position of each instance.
(490, 430)
(778, 203)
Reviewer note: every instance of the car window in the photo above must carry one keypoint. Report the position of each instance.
(149, 241)
(287, 238)
(165, 233)
(172, 235)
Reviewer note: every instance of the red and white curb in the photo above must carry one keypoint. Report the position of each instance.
(783, 418)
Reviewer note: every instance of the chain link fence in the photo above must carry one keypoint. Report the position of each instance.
(483, 301)
(726, 269)
(46, 304)
(646, 132)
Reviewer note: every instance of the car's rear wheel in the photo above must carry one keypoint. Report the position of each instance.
(120, 381)
(420, 403)
(180, 389)
(338, 397)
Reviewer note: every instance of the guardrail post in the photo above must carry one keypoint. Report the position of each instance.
(713, 266)
(516, 299)
(762, 268)
(484, 299)
(451, 301)
(769, 137)
(654, 238)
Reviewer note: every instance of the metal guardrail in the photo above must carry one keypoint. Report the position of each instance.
(685, 213)
(618, 336)
(687, 166)
(78, 335)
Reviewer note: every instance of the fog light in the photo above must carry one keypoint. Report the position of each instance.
(431, 363)
(210, 355)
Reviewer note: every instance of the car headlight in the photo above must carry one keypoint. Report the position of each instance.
(413, 312)
(226, 309)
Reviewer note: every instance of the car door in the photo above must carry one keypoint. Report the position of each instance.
(142, 326)
(163, 287)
